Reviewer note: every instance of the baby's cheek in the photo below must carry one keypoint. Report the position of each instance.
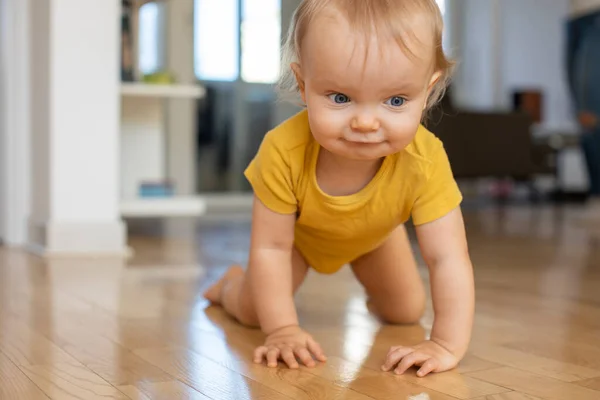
(404, 128)
(325, 122)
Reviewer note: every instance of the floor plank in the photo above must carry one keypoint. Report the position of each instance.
(208, 377)
(590, 383)
(560, 370)
(162, 391)
(24, 346)
(535, 385)
(15, 385)
(296, 384)
(571, 352)
(69, 382)
(509, 396)
(442, 386)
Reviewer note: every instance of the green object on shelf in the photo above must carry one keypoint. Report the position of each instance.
(159, 78)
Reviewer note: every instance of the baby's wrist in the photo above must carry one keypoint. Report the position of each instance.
(455, 349)
(281, 328)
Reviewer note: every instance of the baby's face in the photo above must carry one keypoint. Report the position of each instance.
(364, 100)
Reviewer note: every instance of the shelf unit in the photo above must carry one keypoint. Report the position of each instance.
(178, 206)
(162, 90)
(142, 149)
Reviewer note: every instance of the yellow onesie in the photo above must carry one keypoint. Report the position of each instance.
(333, 231)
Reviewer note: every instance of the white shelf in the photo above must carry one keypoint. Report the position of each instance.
(228, 202)
(162, 90)
(190, 206)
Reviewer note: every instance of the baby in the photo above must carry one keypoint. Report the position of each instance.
(335, 184)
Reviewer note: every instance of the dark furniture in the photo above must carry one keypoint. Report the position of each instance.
(490, 144)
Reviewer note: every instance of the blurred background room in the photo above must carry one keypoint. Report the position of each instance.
(196, 95)
(125, 128)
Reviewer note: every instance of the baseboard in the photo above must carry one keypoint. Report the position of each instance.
(81, 239)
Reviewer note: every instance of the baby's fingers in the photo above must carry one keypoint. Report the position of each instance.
(394, 356)
(316, 349)
(259, 354)
(430, 365)
(305, 357)
(287, 355)
(272, 357)
(414, 358)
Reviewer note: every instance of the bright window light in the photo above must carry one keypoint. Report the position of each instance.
(149, 31)
(261, 38)
(216, 40)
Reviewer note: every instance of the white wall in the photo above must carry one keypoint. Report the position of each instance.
(75, 104)
(4, 15)
(533, 56)
(475, 33)
(14, 120)
(180, 127)
(142, 144)
(506, 45)
(85, 106)
(40, 83)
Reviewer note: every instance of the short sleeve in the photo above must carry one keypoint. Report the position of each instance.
(440, 194)
(270, 175)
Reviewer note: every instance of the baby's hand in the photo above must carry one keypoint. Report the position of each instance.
(429, 355)
(288, 344)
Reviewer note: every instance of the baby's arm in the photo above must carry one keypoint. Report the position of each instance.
(270, 269)
(444, 248)
(271, 280)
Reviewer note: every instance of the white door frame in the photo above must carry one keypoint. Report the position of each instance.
(14, 121)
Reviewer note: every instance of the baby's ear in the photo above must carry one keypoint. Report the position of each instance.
(434, 79)
(299, 79)
(431, 86)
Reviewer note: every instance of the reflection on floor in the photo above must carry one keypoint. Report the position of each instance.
(91, 329)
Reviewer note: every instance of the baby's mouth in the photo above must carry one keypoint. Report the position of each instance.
(365, 138)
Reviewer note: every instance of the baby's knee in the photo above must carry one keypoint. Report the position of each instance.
(404, 317)
(400, 313)
(248, 321)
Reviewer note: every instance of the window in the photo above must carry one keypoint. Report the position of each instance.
(218, 34)
(149, 38)
(216, 40)
(261, 38)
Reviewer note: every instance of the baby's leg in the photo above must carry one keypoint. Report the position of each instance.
(390, 277)
(232, 291)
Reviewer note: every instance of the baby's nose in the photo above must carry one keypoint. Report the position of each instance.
(365, 123)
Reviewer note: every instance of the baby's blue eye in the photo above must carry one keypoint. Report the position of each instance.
(339, 98)
(396, 101)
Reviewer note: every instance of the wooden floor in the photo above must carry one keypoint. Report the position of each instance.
(96, 329)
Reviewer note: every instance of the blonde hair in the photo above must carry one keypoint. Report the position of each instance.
(367, 16)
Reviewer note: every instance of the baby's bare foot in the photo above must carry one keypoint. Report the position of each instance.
(213, 293)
